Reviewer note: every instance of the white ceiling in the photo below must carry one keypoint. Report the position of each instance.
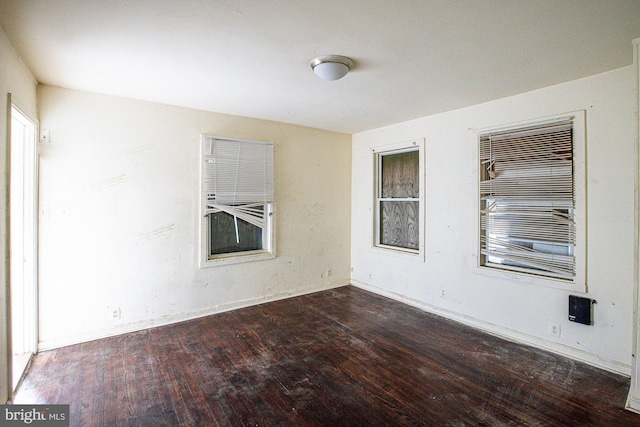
(251, 58)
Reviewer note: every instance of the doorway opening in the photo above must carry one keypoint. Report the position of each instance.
(23, 211)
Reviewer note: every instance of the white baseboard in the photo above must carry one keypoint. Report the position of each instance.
(633, 403)
(499, 331)
(181, 317)
(506, 333)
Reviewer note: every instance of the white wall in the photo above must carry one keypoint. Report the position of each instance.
(15, 78)
(514, 309)
(119, 215)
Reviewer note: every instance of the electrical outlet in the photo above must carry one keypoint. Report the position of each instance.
(443, 293)
(553, 329)
(114, 313)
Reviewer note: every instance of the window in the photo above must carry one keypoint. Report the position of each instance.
(237, 200)
(399, 217)
(532, 199)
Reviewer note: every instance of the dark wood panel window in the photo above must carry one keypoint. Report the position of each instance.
(398, 203)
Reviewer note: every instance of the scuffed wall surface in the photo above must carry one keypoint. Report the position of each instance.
(119, 212)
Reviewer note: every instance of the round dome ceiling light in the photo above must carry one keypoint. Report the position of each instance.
(331, 67)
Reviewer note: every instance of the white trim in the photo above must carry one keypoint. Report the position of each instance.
(633, 403)
(28, 256)
(504, 333)
(633, 400)
(397, 148)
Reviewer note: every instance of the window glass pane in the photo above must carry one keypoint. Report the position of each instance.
(222, 235)
(400, 175)
(399, 225)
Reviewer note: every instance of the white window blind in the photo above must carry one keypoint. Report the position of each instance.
(527, 203)
(238, 178)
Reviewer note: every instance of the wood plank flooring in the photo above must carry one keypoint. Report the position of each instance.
(343, 357)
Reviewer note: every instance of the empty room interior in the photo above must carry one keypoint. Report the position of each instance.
(321, 212)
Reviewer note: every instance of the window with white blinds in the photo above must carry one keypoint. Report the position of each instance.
(527, 199)
(237, 197)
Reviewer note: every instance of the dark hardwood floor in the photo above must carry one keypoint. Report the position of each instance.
(334, 358)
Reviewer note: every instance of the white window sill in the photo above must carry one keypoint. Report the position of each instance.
(237, 258)
(399, 253)
(527, 278)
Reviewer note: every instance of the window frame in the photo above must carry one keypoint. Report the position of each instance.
(390, 149)
(579, 281)
(268, 232)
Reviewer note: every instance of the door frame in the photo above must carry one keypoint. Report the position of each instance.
(30, 162)
(633, 401)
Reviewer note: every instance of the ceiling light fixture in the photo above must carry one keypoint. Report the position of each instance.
(331, 67)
